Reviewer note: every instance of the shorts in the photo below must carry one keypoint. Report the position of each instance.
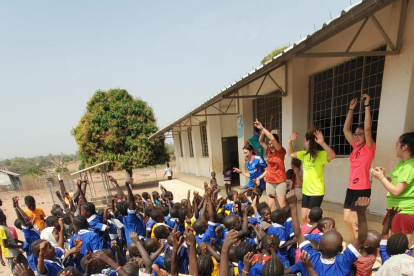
(227, 182)
(170, 177)
(403, 223)
(311, 201)
(298, 192)
(278, 189)
(258, 190)
(353, 195)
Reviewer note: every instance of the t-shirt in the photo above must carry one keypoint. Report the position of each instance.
(361, 159)
(91, 243)
(37, 217)
(278, 230)
(304, 228)
(133, 222)
(208, 235)
(169, 171)
(216, 269)
(56, 264)
(338, 266)
(96, 224)
(255, 270)
(313, 184)
(227, 174)
(403, 172)
(364, 265)
(276, 166)
(30, 235)
(14, 233)
(5, 234)
(254, 141)
(255, 169)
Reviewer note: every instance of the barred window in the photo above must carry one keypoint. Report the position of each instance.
(181, 145)
(190, 142)
(332, 90)
(264, 108)
(204, 144)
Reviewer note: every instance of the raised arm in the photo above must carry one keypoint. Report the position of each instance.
(81, 193)
(330, 154)
(265, 132)
(361, 206)
(229, 240)
(290, 151)
(131, 200)
(347, 126)
(237, 170)
(144, 254)
(210, 207)
(61, 242)
(21, 215)
(188, 200)
(387, 223)
(119, 191)
(191, 243)
(367, 121)
(292, 200)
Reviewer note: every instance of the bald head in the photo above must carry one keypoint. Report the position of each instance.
(373, 239)
(331, 244)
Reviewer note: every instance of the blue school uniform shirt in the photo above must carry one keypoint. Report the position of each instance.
(339, 266)
(317, 237)
(183, 260)
(298, 267)
(208, 235)
(279, 230)
(284, 260)
(96, 224)
(289, 228)
(30, 235)
(150, 224)
(255, 270)
(134, 222)
(160, 262)
(255, 169)
(91, 243)
(252, 220)
(171, 224)
(229, 207)
(56, 264)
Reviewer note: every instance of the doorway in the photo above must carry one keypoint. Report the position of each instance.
(231, 156)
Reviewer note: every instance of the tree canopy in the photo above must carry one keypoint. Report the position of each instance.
(116, 128)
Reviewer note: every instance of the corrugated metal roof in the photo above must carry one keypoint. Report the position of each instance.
(90, 168)
(9, 173)
(349, 16)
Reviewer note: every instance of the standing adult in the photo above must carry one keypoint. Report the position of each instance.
(168, 171)
(363, 152)
(314, 158)
(276, 174)
(401, 187)
(257, 169)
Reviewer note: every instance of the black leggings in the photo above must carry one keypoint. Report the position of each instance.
(311, 201)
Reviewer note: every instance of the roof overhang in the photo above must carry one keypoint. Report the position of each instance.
(9, 173)
(348, 17)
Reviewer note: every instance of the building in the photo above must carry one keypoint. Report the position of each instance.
(9, 180)
(368, 48)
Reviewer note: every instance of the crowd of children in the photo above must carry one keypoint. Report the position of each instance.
(204, 235)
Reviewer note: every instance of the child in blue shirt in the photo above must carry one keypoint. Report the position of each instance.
(277, 228)
(205, 230)
(328, 261)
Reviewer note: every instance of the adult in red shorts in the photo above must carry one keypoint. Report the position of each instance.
(359, 184)
(401, 187)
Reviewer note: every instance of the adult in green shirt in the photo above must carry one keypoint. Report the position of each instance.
(316, 154)
(401, 187)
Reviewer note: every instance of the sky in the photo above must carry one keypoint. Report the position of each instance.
(172, 54)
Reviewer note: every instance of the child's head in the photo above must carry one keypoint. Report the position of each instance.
(155, 195)
(273, 267)
(262, 205)
(18, 224)
(174, 214)
(322, 222)
(70, 270)
(177, 206)
(286, 210)
(88, 209)
(242, 249)
(133, 249)
(48, 250)
(56, 210)
(167, 262)
(265, 214)
(169, 195)
(157, 215)
(205, 265)
(290, 173)
(331, 244)
(145, 195)
(151, 245)
(233, 194)
(137, 198)
(232, 254)
(52, 221)
(184, 202)
(397, 244)
(66, 219)
(131, 268)
(30, 203)
(161, 232)
(148, 210)
(243, 198)
(80, 222)
(372, 242)
(315, 215)
(200, 225)
(165, 210)
(220, 218)
(122, 208)
(226, 165)
(278, 216)
(232, 222)
(274, 245)
(250, 210)
(295, 163)
(213, 175)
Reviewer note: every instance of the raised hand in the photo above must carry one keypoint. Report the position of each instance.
(2, 262)
(327, 227)
(114, 246)
(134, 236)
(248, 261)
(129, 181)
(362, 203)
(78, 241)
(21, 270)
(237, 170)
(353, 103)
(112, 179)
(229, 240)
(59, 196)
(293, 136)
(305, 260)
(61, 223)
(367, 98)
(258, 125)
(270, 240)
(319, 137)
(189, 236)
(291, 197)
(378, 172)
(177, 240)
(393, 211)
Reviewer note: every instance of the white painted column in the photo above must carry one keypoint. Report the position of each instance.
(215, 149)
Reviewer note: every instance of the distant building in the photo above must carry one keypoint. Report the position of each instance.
(9, 180)
(368, 48)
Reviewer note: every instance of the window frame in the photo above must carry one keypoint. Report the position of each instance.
(204, 139)
(190, 142)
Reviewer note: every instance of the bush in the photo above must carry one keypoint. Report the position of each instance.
(58, 170)
(65, 169)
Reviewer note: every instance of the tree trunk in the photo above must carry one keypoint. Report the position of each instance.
(129, 171)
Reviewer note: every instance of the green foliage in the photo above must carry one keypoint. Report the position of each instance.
(274, 53)
(65, 169)
(81, 166)
(116, 128)
(58, 170)
(67, 158)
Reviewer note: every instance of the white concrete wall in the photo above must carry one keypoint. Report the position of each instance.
(4, 180)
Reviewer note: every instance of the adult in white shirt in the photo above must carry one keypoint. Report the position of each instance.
(168, 172)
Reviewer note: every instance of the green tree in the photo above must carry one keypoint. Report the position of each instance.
(116, 128)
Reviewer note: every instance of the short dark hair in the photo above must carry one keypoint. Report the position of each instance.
(89, 206)
(397, 244)
(248, 147)
(35, 246)
(29, 199)
(296, 162)
(273, 267)
(408, 139)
